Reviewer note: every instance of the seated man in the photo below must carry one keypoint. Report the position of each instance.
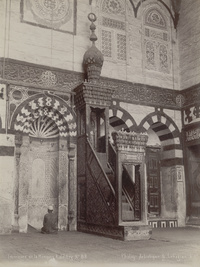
(49, 222)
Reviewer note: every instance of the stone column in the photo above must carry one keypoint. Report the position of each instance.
(18, 143)
(72, 217)
(63, 185)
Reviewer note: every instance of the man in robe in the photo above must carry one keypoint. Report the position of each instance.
(49, 222)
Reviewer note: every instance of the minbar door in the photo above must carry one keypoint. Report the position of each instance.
(153, 181)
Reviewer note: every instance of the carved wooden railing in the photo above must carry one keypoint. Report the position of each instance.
(137, 197)
(112, 157)
(81, 177)
(101, 193)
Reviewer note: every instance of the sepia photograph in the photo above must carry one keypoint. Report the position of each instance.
(99, 133)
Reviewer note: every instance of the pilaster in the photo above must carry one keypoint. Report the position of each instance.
(18, 143)
(63, 186)
(23, 186)
(72, 217)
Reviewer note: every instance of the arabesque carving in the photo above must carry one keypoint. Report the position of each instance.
(30, 74)
(132, 141)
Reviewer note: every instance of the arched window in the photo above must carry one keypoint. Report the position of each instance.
(156, 41)
(113, 30)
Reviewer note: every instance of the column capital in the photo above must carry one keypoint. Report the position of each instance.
(18, 139)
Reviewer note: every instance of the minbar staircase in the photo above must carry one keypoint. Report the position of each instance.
(101, 204)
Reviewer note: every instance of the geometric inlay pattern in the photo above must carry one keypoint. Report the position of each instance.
(121, 47)
(150, 55)
(164, 66)
(106, 43)
(163, 223)
(113, 23)
(156, 34)
(49, 107)
(44, 127)
(116, 7)
(101, 201)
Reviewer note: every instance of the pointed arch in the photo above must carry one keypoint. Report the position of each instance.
(42, 105)
(161, 121)
(119, 116)
(168, 134)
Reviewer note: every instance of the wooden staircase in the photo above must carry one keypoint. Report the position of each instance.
(98, 204)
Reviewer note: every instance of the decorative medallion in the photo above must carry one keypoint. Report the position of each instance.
(17, 94)
(56, 12)
(48, 78)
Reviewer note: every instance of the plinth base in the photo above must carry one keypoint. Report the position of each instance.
(126, 233)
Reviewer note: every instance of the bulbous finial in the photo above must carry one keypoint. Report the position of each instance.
(93, 58)
(92, 17)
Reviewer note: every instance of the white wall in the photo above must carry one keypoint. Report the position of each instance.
(34, 44)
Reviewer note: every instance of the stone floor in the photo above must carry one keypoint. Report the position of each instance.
(167, 247)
